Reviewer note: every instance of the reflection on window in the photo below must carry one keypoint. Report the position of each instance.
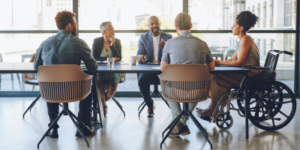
(37, 15)
(127, 14)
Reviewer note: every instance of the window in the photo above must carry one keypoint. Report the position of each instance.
(287, 12)
(258, 15)
(265, 15)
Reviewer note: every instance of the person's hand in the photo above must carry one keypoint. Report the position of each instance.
(112, 40)
(142, 59)
(116, 59)
(217, 62)
(162, 43)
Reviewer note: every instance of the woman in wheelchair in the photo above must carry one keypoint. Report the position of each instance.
(246, 54)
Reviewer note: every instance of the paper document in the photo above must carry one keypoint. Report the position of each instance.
(156, 68)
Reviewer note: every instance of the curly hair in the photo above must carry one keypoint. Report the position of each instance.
(246, 19)
(63, 18)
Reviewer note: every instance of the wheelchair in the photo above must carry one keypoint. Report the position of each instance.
(272, 104)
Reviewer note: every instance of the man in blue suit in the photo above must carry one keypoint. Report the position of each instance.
(150, 49)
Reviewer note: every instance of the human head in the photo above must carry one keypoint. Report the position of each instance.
(183, 21)
(65, 20)
(154, 25)
(243, 22)
(107, 29)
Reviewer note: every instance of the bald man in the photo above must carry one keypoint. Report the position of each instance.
(150, 49)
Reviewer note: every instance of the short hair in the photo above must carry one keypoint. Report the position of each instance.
(63, 18)
(246, 19)
(183, 21)
(104, 25)
(153, 17)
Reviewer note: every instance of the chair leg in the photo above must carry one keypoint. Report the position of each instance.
(51, 126)
(12, 81)
(19, 80)
(141, 105)
(172, 123)
(199, 126)
(119, 105)
(163, 99)
(32, 104)
(171, 128)
(144, 104)
(100, 118)
(71, 115)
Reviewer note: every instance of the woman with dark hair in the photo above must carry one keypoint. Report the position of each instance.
(103, 47)
(246, 54)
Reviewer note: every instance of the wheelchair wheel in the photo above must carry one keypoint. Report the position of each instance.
(224, 121)
(269, 109)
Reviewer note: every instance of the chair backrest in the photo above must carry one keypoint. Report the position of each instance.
(271, 61)
(63, 83)
(185, 82)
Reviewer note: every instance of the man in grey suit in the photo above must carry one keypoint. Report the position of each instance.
(150, 49)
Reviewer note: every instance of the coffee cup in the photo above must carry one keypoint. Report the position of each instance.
(133, 60)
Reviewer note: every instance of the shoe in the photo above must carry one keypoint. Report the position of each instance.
(184, 131)
(205, 117)
(86, 131)
(53, 133)
(151, 111)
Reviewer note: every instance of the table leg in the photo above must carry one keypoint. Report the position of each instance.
(99, 101)
(246, 108)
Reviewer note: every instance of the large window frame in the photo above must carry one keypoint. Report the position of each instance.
(184, 9)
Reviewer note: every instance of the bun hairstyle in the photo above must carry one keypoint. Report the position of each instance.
(246, 19)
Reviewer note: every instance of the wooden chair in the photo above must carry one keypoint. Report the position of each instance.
(64, 84)
(185, 83)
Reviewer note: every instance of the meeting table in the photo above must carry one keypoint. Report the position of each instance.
(17, 67)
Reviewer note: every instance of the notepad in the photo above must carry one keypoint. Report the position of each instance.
(156, 68)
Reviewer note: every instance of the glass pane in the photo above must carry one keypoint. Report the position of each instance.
(127, 14)
(37, 15)
(220, 15)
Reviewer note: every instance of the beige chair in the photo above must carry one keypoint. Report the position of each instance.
(64, 84)
(185, 83)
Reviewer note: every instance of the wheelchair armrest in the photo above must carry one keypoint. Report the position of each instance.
(259, 68)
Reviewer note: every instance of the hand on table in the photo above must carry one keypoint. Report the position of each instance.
(116, 59)
(217, 62)
(142, 58)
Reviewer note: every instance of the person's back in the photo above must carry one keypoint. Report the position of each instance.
(66, 48)
(186, 49)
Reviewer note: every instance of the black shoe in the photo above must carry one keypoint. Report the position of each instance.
(86, 131)
(53, 133)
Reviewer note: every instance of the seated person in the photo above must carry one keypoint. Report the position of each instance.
(246, 54)
(103, 47)
(150, 49)
(66, 48)
(185, 49)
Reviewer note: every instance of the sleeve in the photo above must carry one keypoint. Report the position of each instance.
(209, 57)
(85, 54)
(116, 49)
(166, 56)
(38, 58)
(95, 53)
(141, 48)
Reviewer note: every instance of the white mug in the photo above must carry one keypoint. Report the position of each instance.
(133, 60)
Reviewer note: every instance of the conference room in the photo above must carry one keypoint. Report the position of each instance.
(174, 74)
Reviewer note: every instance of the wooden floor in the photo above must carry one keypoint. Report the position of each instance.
(131, 132)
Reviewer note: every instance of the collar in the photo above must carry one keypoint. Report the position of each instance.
(185, 33)
(63, 32)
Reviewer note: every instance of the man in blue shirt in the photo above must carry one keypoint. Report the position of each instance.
(66, 48)
(150, 49)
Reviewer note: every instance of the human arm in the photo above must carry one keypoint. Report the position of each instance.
(116, 50)
(95, 49)
(85, 54)
(141, 53)
(165, 59)
(244, 49)
(38, 58)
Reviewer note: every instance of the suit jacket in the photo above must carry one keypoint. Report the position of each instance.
(145, 46)
(116, 49)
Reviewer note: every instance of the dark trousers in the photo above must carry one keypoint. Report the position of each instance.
(145, 80)
(84, 113)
